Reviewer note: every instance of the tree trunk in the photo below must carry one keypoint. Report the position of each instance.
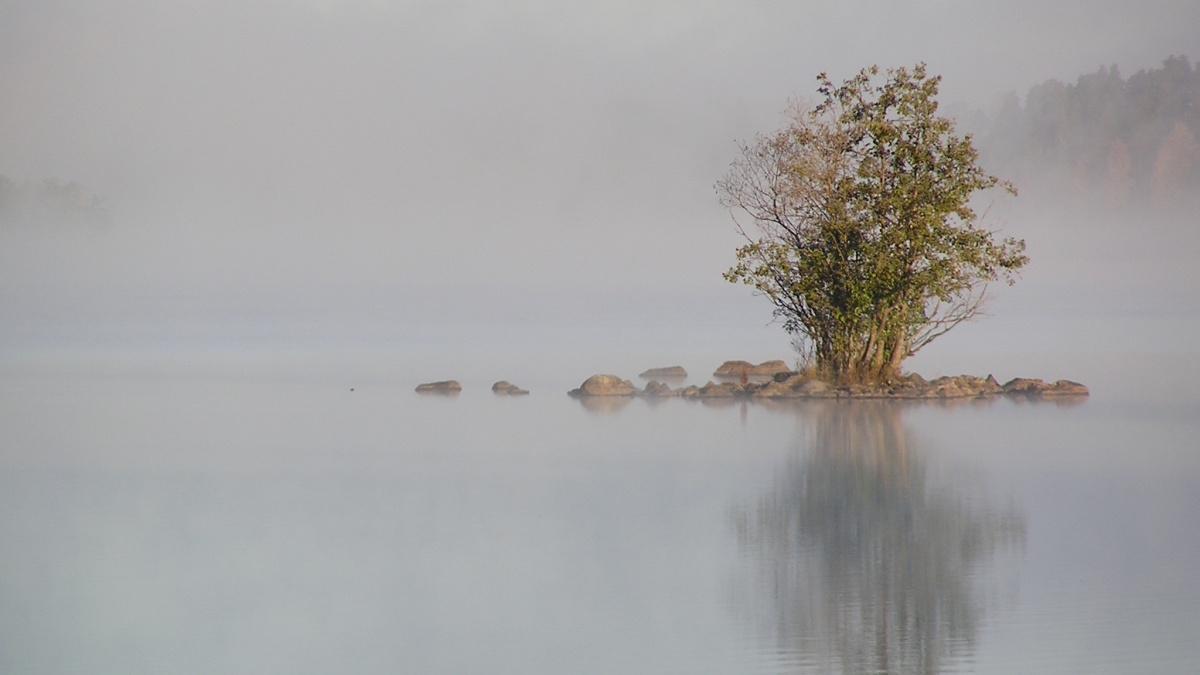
(899, 352)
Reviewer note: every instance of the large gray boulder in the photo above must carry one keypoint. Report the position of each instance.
(604, 385)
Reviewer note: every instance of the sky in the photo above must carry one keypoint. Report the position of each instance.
(364, 172)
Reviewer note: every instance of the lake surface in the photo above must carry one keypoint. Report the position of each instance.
(167, 519)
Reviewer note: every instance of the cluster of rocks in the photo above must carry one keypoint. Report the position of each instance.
(774, 380)
(788, 384)
(452, 387)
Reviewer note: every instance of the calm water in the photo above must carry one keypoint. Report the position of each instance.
(172, 520)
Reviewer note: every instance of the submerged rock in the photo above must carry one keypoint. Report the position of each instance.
(505, 388)
(443, 387)
(604, 385)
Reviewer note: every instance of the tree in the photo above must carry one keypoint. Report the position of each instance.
(863, 234)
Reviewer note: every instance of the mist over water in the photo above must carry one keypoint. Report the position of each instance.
(267, 222)
(353, 173)
(175, 520)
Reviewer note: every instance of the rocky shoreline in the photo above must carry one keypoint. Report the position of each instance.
(773, 380)
(799, 385)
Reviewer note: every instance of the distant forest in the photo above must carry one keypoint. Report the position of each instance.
(49, 201)
(1133, 140)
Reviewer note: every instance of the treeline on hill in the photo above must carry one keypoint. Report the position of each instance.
(49, 201)
(1133, 140)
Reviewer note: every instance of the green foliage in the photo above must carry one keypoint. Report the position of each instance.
(863, 233)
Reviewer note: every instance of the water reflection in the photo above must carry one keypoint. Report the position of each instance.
(865, 562)
(604, 405)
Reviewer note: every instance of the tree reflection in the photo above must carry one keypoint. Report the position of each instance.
(867, 563)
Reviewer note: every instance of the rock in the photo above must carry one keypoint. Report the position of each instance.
(733, 368)
(958, 386)
(723, 390)
(654, 388)
(737, 368)
(1065, 388)
(1024, 386)
(506, 388)
(945, 387)
(604, 385)
(775, 389)
(668, 371)
(690, 391)
(443, 387)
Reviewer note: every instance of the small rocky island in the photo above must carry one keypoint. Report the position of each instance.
(790, 384)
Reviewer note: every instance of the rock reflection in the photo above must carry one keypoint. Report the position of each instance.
(604, 405)
(866, 564)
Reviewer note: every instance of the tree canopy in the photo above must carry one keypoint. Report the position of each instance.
(861, 230)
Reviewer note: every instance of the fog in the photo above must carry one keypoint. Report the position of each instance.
(390, 175)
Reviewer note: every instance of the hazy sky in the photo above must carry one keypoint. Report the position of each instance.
(291, 164)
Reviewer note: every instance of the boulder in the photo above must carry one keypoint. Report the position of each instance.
(1024, 386)
(1065, 388)
(915, 380)
(946, 387)
(723, 390)
(443, 387)
(654, 388)
(737, 368)
(604, 385)
(733, 368)
(668, 371)
(775, 389)
(506, 388)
